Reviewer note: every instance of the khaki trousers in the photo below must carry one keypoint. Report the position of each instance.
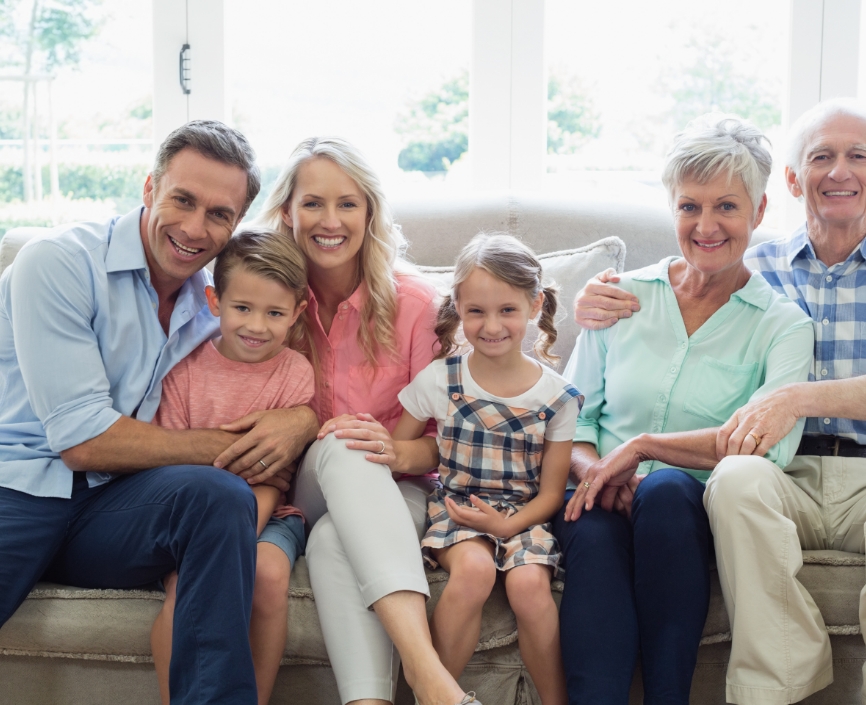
(761, 519)
(364, 545)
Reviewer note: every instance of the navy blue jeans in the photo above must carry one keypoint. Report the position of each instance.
(133, 531)
(639, 585)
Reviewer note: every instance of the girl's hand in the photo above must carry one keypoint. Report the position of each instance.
(363, 432)
(480, 516)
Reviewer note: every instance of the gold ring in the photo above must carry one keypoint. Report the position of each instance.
(757, 440)
(587, 484)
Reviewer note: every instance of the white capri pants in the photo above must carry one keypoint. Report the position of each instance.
(364, 545)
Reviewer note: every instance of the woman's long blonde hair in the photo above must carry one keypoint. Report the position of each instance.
(383, 240)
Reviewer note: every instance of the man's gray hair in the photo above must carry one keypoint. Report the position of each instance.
(716, 144)
(805, 126)
(214, 140)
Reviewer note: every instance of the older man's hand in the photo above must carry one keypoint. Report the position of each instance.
(273, 440)
(600, 304)
(760, 424)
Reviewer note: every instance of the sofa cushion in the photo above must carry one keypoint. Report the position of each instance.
(570, 269)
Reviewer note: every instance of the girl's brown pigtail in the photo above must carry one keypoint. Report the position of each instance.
(447, 323)
(547, 325)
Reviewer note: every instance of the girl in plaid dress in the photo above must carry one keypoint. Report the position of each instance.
(505, 426)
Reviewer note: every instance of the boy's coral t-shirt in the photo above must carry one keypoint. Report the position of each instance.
(205, 389)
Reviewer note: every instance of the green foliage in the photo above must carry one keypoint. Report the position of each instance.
(718, 79)
(100, 182)
(55, 31)
(572, 120)
(436, 127)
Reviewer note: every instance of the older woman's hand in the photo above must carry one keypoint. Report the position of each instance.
(615, 469)
(600, 304)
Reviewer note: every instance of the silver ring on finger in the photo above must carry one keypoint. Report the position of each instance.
(382, 449)
(263, 464)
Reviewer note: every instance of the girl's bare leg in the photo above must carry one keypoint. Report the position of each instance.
(528, 589)
(268, 625)
(160, 637)
(456, 622)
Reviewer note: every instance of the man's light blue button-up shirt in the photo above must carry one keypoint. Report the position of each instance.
(81, 345)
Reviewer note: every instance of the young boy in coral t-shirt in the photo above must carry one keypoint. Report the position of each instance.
(259, 292)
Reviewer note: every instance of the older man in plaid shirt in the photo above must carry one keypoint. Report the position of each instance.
(762, 517)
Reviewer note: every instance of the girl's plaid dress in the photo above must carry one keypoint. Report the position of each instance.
(494, 452)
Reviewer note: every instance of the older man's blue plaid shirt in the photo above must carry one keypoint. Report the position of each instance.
(835, 299)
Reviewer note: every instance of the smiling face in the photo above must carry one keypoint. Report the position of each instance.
(832, 174)
(328, 214)
(189, 216)
(255, 315)
(714, 223)
(494, 314)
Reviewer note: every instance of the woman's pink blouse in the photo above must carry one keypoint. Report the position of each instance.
(346, 383)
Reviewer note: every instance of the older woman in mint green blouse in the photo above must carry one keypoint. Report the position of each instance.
(710, 336)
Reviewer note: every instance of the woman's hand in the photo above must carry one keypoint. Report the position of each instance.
(331, 425)
(480, 516)
(363, 432)
(600, 304)
(273, 440)
(615, 469)
(760, 424)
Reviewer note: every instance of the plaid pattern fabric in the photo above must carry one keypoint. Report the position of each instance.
(835, 299)
(492, 451)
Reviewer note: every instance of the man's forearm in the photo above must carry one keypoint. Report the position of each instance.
(695, 450)
(838, 399)
(130, 445)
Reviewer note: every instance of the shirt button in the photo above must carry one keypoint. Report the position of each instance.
(673, 369)
(345, 306)
(828, 278)
(455, 396)
(823, 372)
(542, 415)
(661, 397)
(826, 420)
(826, 322)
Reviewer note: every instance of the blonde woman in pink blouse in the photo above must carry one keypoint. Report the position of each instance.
(372, 332)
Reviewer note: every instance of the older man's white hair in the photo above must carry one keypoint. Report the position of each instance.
(717, 144)
(805, 126)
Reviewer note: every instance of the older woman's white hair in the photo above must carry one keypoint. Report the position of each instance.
(812, 120)
(716, 144)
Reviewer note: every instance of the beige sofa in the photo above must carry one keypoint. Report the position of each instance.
(72, 646)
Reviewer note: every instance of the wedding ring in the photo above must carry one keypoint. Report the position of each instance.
(757, 440)
(587, 484)
(382, 450)
(263, 464)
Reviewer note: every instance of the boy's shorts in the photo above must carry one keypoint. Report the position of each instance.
(286, 534)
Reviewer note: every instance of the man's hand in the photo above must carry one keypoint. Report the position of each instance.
(760, 424)
(273, 440)
(615, 469)
(282, 479)
(600, 304)
(480, 516)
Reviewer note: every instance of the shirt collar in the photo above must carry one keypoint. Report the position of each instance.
(756, 292)
(356, 300)
(125, 251)
(799, 245)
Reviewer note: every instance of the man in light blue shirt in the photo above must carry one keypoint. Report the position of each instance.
(92, 317)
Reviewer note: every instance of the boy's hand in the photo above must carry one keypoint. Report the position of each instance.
(480, 516)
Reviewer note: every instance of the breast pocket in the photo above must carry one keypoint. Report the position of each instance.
(375, 391)
(719, 388)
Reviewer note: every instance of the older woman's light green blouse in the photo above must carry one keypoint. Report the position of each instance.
(645, 375)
